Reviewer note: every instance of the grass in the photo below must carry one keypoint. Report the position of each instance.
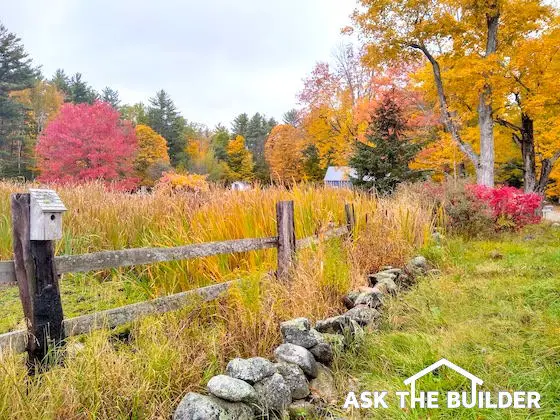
(143, 370)
(495, 311)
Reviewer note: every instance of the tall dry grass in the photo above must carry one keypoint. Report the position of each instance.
(145, 372)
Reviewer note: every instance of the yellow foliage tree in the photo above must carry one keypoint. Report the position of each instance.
(239, 160)
(283, 151)
(172, 182)
(152, 158)
(42, 100)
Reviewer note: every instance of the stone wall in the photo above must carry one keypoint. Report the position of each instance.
(299, 383)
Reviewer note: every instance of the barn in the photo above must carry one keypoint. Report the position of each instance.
(339, 176)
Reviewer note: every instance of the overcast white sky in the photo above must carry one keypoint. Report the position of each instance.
(216, 58)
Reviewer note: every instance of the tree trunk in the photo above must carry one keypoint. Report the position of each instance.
(485, 172)
(528, 154)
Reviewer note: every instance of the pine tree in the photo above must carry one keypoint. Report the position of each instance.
(164, 118)
(240, 125)
(81, 92)
(111, 96)
(16, 73)
(62, 82)
(220, 141)
(382, 162)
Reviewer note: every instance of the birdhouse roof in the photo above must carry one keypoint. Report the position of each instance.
(47, 200)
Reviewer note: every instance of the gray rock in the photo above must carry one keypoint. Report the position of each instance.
(349, 299)
(377, 277)
(323, 353)
(373, 299)
(323, 386)
(389, 284)
(334, 325)
(201, 407)
(297, 331)
(363, 315)
(250, 370)
(295, 379)
(231, 389)
(418, 263)
(274, 393)
(318, 336)
(302, 409)
(297, 355)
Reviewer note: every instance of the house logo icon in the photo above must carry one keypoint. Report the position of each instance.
(472, 398)
(444, 362)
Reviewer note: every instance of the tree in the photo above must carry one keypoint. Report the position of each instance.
(240, 125)
(530, 87)
(257, 131)
(291, 117)
(16, 73)
(134, 113)
(383, 162)
(164, 118)
(62, 82)
(111, 96)
(88, 142)
(42, 101)
(219, 141)
(284, 153)
(80, 91)
(239, 160)
(152, 159)
(460, 41)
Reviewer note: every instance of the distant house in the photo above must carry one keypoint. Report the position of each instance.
(339, 176)
(240, 186)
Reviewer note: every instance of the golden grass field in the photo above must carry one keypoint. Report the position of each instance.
(143, 370)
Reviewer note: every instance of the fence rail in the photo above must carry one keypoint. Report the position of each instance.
(36, 262)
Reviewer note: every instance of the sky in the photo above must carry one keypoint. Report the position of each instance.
(216, 58)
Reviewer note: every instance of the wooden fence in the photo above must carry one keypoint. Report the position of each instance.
(36, 270)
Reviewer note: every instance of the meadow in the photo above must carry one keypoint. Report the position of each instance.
(143, 370)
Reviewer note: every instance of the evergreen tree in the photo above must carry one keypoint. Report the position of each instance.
(111, 96)
(164, 118)
(383, 162)
(240, 125)
(62, 82)
(16, 73)
(312, 164)
(220, 141)
(81, 92)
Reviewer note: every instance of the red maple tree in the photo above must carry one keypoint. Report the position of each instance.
(88, 142)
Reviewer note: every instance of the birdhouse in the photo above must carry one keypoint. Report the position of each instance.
(46, 210)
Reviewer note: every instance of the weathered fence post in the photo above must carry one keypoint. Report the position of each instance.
(34, 216)
(286, 238)
(350, 218)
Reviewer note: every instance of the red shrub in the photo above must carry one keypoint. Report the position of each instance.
(511, 207)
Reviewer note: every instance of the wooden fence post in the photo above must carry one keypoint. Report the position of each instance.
(37, 282)
(286, 238)
(350, 218)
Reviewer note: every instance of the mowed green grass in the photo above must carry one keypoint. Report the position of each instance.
(494, 310)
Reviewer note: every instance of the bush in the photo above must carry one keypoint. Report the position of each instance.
(464, 214)
(511, 207)
(172, 182)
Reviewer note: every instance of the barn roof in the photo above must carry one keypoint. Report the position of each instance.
(340, 173)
